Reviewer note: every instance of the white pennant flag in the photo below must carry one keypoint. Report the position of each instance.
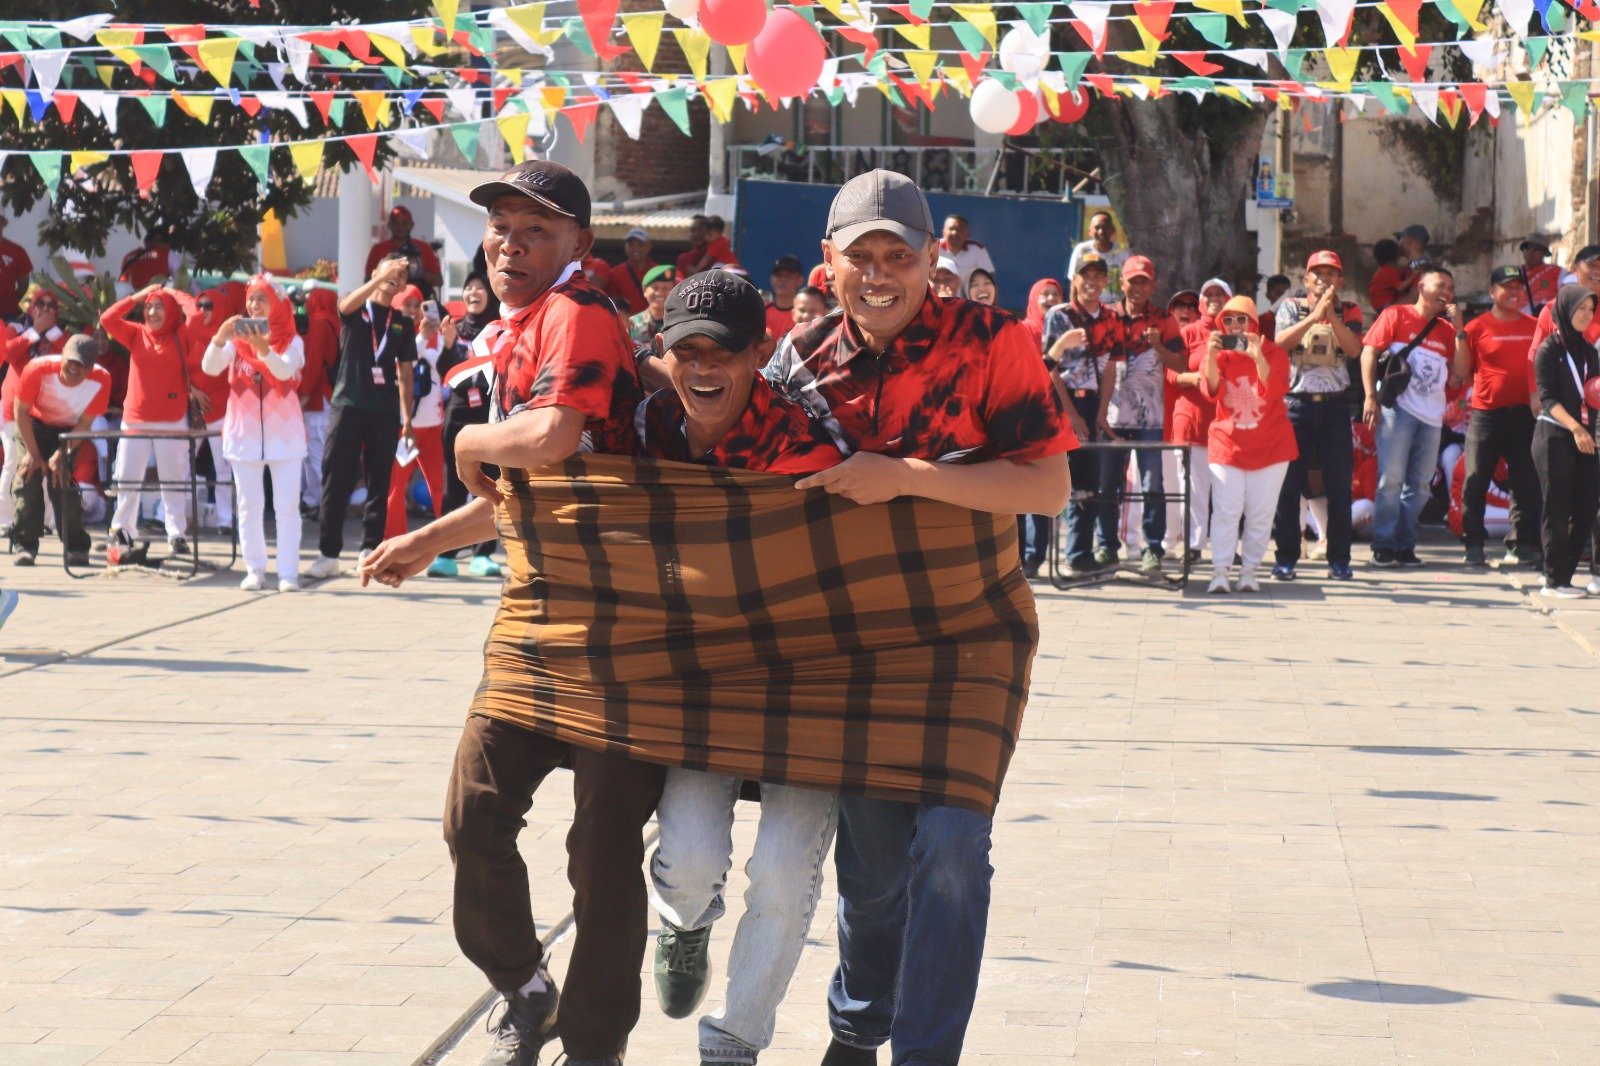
(502, 22)
(284, 102)
(83, 28)
(400, 32)
(1479, 50)
(1335, 16)
(1281, 23)
(110, 111)
(414, 142)
(276, 71)
(1427, 98)
(47, 69)
(94, 101)
(1256, 57)
(1093, 14)
(830, 72)
(629, 112)
(1517, 13)
(1491, 103)
(298, 53)
(465, 101)
(1140, 90)
(201, 162)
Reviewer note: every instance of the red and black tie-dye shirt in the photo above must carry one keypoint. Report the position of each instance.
(963, 382)
(773, 435)
(567, 349)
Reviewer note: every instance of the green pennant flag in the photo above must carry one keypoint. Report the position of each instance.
(835, 96)
(675, 103)
(336, 57)
(578, 35)
(48, 164)
(1294, 60)
(1291, 6)
(879, 67)
(1575, 98)
(259, 158)
(805, 13)
(466, 138)
(483, 39)
(1005, 78)
(156, 108)
(157, 58)
(1194, 81)
(247, 51)
(1036, 15)
(894, 94)
(971, 38)
(1073, 64)
(393, 73)
(336, 111)
(923, 9)
(1537, 47)
(557, 78)
(44, 37)
(17, 39)
(1449, 11)
(1212, 27)
(1387, 96)
(1556, 18)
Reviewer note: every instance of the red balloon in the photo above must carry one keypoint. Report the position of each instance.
(1072, 106)
(1591, 393)
(787, 55)
(1027, 117)
(733, 21)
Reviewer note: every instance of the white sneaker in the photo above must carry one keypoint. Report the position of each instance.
(1219, 585)
(323, 567)
(1248, 582)
(252, 581)
(1562, 592)
(1593, 588)
(288, 584)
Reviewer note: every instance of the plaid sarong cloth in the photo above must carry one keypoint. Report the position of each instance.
(720, 620)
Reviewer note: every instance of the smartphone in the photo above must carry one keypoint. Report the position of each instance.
(247, 327)
(430, 309)
(405, 453)
(1234, 342)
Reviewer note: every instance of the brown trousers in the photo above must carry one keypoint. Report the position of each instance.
(498, 767)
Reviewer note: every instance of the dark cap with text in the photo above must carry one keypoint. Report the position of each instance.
(880, 200)
(550, 184)
(717, 304)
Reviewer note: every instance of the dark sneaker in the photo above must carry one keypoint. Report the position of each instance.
(178, 546)
(1105, 557)
(24, 557)
(683, 969)
(77, 558)
(1150, 561)
(1283, 572)
(522, 1030)
(1474, 556)
(609, 1060)
(1408, 557)
(1339, 572)
(1030, 570)
(845, 1055)
(1384, 558)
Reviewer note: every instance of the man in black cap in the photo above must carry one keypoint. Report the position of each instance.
(787, 274)
(57, 394)
(564, 379)
(949, 400)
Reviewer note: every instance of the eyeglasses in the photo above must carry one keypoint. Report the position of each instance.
(205, 305)
(1235, 320)
(45, 305)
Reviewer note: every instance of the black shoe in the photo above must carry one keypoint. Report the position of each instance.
(77, 558)
(1475, 556)
(178, 546)
(609, 1060)
(526, 1025)
(1030, 570)
(1407, 557)
(24, 557)
(845, 1055)
(1384, 558)
(682, 969)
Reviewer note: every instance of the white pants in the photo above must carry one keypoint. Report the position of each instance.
(311, 469)
(172, 465)
(8, 473)
(224, 482)
(1198, 486)
(1248, 498)
(247, 475)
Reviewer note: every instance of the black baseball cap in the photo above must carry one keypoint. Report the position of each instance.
(1586, 253)
(1506, 275)
(717, 304)
(1534, 242)
(551, 184)
(791, 263)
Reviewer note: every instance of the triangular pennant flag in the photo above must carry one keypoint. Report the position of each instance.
(217, 56)
(66, 106)
(446, 10)
(982, 18)
(921, 64)
(1575, 98)
(259, 159)
(920, 36)
(1407, 11)
(1091, 17)
(48, 164)
(200, 163)
(392, 50)
(1406, 35)
(1294, 61)
(1234, 9)
(1145, 57)
(38, 106)
(1213, 28)
(628, 110)
(720, 94)
(582, 115)
(954, 75)
(598, 18)
(1154, 15)
(1516, 13)
(466, 137)
(1197, 62)
(1387, 96)
(1521, 93)
(1427, 101)
(1416, 62)
(47, 69)
(336, 112)
(84, 26)
(433, 105)
(158, 59)
(1474, 94)
(1037, 16)
(969, 36)
(307, 158)
(370, 101)
(736, 56)
(974, 64)
(696, 46)
(644, 33)
(1479, 51)
(1450, 104)
(1342, 62)
(675, 103)
(1073, 64)
(365, 146)
(195, 105)
(514, 129)
(1281, 24)
(1536, 46)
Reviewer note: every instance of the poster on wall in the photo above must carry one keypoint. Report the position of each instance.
(1274, 188)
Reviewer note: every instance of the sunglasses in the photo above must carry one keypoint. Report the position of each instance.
(205, 305)
(45, 305)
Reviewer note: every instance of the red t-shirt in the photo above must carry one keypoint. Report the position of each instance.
(16, 350)
(1386, 286)
(53, 403)
(962, 383)
(381, 250)
(780, 320)
(625, 287)
(1500, 350)
(773, 435)
(721, 252)
(15, 266)
(567, 349)
(144, 265)
(1251, 429)
(157, 362)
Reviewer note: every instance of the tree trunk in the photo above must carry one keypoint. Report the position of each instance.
(1179, 174)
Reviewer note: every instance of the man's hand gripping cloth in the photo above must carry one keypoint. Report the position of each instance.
(720, 620)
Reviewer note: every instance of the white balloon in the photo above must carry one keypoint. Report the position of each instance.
(994, 108)
(683, 10)
(1023, 52)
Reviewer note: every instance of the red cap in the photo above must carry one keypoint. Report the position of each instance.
(1325, 258)
(1138, 266)
(400, 211)
(407, 293)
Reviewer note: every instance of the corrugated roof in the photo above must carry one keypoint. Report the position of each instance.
(455, 184)
(671, 223)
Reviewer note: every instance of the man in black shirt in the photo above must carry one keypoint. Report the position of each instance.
(370, 411)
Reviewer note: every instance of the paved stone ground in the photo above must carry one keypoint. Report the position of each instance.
(1328, 824)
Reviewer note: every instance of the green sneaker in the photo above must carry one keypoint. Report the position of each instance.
(444, 566)
(483, 566)
(682, 969)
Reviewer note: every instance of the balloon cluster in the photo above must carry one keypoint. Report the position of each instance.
(995, 108)
(785, 53)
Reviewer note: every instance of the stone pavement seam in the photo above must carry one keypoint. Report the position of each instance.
(1529, 592)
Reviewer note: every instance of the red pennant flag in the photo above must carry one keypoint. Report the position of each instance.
(66, 106)
(323, 100)
(1270, 92)
(1088, 37)
(634, 80)
(1155, 15)
(1473, 92)
(146, 165)
(582, 115)
(365, 146)
(10, 59)
(974, 66)
(1407, 12)
(1588, 9)
(866, 40)
(905, 12)
(434, 106)
(190, 36)
(472, 76)
(1197, 62)
(598, 18)
(358, 44)
(250, 105)
(1416, 63)
(147, 76)
(502, 93)
(1103, 84)
(326, 38)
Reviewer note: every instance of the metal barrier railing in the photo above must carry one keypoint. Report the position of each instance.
(1056, 554)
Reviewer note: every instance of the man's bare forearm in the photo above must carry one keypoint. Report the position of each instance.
(999, 485)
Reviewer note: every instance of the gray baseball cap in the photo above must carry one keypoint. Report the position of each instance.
(880, 200)
(83, 350)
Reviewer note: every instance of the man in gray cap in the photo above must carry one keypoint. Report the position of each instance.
(564, 379)
(57, 394)
(949, 400)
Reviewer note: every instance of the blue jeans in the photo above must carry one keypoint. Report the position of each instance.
(1084, 504)
(1113, 476)
(1034, 531)
(1322, 430)
(1408, 450)
(913, 913)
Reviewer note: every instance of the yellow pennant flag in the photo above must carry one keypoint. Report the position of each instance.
(551, 97)
(17, 100)
(426, 40)
(1153, 85)
(1342, 62)
(514, 128)
(196, 106)
(1470, 10)
(106, 72)
(1589, 35)
(720, 94)
(1232, 8)
(1451, 106)
(982, 16)
(696, 45)
(644, 33)
(307, 157)
(1146, 56)
(835, 8)
(922, 64)
(390, 48)
(118, 42)
(1522, 93)
(447, 14)
(958, 77)
(920, 36)
(1230, 92)
(371, 100)
(1408, 40)
(1285, 102)
(736, 56)
(529, 18)
(81, 160)
(217, 56)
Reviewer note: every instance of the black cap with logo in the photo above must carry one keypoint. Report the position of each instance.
(1507, 275)
(717, 304)
(550, 184)
(788, 262)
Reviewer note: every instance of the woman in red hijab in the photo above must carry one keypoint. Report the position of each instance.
(159, 373)
(262, 429)
(316, 388)
(1044, 295)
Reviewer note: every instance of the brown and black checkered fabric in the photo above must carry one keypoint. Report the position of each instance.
(721, 620)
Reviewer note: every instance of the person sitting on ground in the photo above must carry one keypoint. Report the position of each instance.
(1563, 445)
(981, 288)
(57, 394)
(810, 304)
(262, 429)
(1251, 441)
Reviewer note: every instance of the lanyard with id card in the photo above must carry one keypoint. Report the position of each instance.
(380, 341)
